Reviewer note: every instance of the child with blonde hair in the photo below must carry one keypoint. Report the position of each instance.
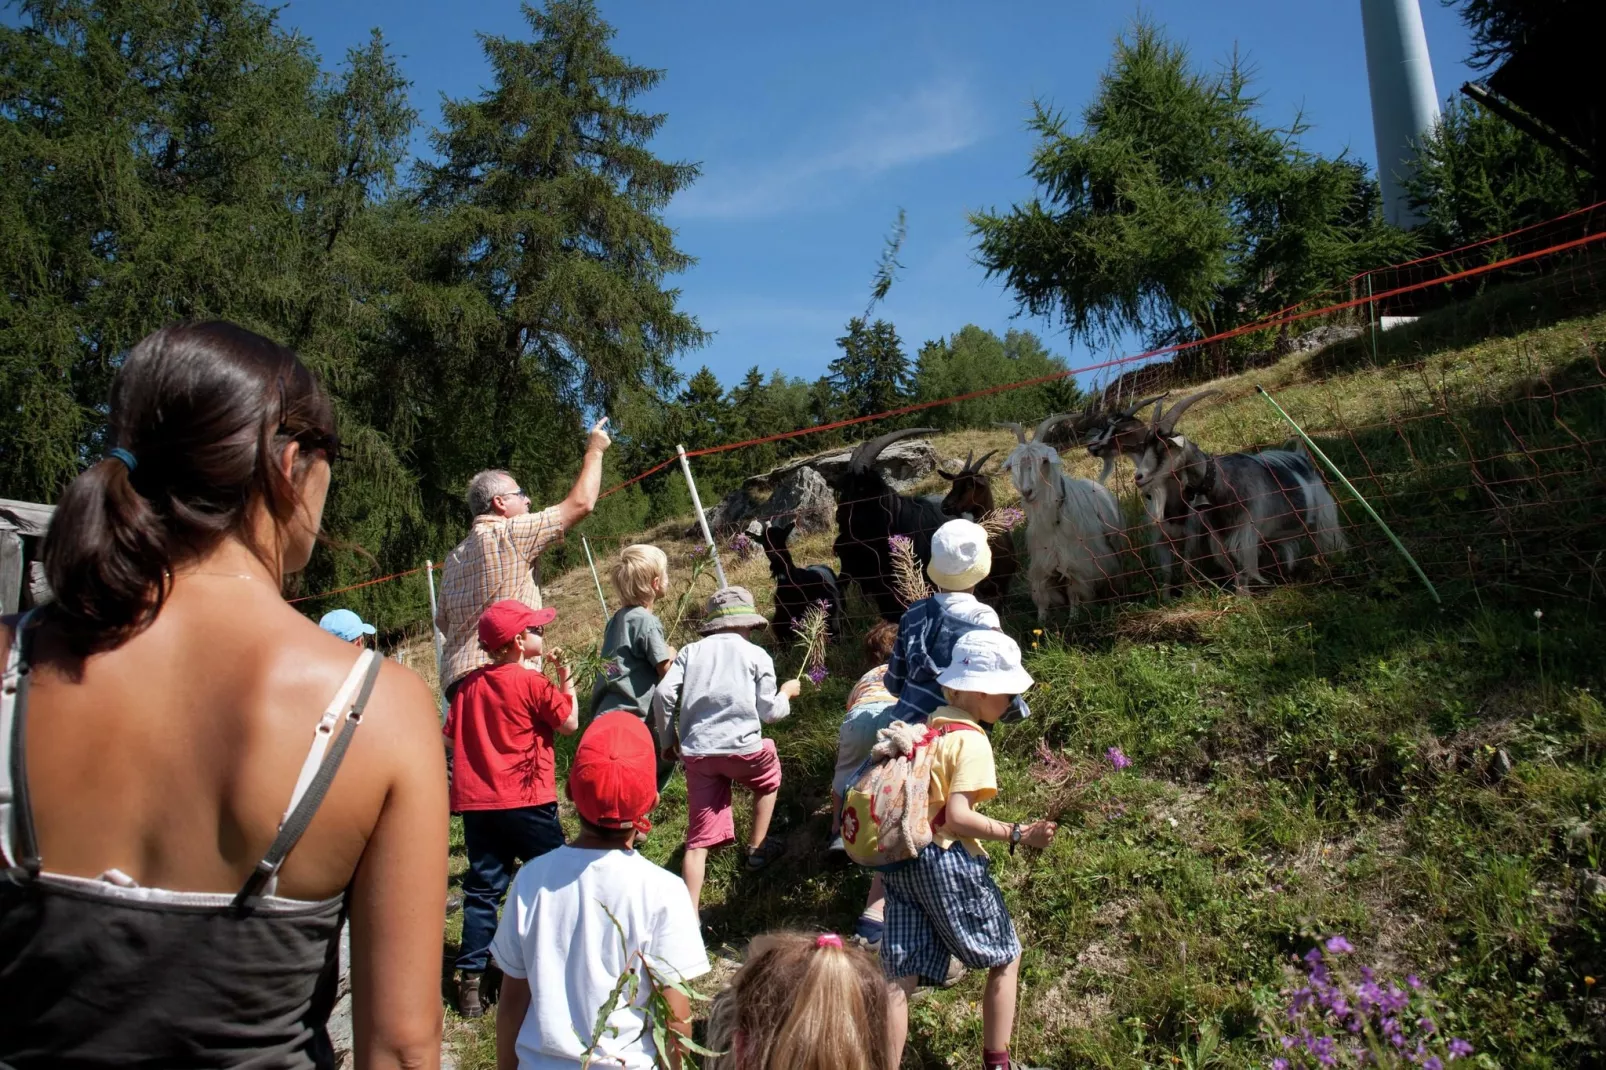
(634, 650)
(801, 1002)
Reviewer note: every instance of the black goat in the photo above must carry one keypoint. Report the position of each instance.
(796, 589)
(869, 512)
(971, 497)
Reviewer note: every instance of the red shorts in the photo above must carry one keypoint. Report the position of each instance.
(708, 791)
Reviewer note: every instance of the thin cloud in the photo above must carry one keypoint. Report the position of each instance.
(933, 120)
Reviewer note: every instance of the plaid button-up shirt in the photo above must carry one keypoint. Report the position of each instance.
(499, 559)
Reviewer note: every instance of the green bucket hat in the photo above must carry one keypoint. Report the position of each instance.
(731, 608)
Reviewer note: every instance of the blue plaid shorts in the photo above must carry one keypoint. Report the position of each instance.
(944, 903)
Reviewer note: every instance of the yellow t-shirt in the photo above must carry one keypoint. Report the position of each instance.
(962, 760)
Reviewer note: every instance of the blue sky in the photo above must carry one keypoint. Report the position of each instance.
(815, 123)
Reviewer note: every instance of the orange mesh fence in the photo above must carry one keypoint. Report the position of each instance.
(1462, 394)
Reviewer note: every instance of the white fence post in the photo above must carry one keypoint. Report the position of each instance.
(595, 579)
(697, 504)
(435, 634)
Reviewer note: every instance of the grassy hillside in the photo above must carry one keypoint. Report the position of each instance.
(1343, 756)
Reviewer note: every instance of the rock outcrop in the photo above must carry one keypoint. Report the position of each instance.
(802, 489)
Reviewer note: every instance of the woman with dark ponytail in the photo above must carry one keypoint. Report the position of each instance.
(178, 861)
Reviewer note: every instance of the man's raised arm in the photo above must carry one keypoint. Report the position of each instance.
(583, 498)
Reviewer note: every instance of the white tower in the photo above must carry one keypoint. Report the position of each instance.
(1405, 104)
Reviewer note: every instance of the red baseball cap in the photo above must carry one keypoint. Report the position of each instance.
(613, 779)
(502, 622)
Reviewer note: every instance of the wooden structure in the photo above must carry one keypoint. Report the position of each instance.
(22, 532)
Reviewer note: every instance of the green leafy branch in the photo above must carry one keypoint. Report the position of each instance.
(658, 1016)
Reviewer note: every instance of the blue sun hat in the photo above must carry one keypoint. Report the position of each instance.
(344, 624)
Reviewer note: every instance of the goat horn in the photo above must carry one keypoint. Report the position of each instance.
(1020, 432)
(975, 469)
(1167, 423)
(1049, 421)
(867, 452)
(1133, 410)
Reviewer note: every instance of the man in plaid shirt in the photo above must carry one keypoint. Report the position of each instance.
(500, 557)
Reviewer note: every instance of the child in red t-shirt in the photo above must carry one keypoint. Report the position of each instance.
(501, 730)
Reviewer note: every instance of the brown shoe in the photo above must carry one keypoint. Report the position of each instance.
(468, 995)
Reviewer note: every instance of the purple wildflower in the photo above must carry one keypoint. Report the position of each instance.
(1010, 517)
(900, 543)
(1413, 980)
(1288, 1043)
(1338, 945)
(1117, 759)
(743, 546)
(1432, 1062)
(816, 674)
(1279, 1063)
(1313, 956)
(1459, 1048)
(1427, 1026)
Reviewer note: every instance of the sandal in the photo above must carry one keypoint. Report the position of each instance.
(762, 855)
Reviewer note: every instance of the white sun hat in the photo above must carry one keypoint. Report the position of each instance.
(986, 661)
(960, 557)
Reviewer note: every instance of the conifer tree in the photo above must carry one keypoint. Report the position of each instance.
(872, 374)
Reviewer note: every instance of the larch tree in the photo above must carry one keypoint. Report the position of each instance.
(1175, 213)
(540, 291)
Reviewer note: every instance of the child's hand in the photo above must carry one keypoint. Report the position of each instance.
(1039, 834)
(791, 689)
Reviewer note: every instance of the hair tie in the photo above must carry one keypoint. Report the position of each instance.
(117, 453)
(828, 940)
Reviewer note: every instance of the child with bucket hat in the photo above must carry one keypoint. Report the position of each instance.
(945, 902)
(560, 952)
(720, 692)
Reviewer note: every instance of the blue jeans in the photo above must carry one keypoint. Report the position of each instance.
(497, 841)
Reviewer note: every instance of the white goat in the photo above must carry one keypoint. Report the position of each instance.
(1073, 526)
(1244, 500)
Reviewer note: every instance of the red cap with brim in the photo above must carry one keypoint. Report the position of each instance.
(503, 621)
(613, 778)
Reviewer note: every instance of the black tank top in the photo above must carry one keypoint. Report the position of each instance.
(102, 973)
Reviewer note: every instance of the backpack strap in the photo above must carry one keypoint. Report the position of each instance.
(932, 736)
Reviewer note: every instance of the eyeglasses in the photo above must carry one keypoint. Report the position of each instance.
(516, 492)
(538, 631)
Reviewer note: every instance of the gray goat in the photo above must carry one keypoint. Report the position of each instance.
(1243, 500)
(1179, 532)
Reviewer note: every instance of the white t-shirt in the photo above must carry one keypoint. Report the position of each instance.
(555, 933)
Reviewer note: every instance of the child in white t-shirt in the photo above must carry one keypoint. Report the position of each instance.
(557, 938)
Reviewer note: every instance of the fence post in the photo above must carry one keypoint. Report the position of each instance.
(1371, 316)
(435, 633)
(595, 580)
(702, 519)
